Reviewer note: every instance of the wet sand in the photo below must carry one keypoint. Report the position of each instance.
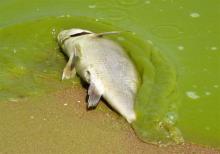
(60, 123)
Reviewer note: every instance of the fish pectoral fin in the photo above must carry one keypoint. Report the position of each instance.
(69, 71)
(95, 92)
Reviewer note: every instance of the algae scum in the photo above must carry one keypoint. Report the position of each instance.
(31, 64)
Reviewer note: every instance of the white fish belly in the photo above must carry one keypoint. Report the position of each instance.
(111, 65)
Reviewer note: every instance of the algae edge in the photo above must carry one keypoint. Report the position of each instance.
(157, 98)
(157, 103)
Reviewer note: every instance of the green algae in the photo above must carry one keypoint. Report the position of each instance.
(32, 64)
(158, 97)
(157, 104)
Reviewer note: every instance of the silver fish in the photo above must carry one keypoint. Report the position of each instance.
(104, 65)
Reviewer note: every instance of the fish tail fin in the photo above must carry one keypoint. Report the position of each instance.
(131, 118)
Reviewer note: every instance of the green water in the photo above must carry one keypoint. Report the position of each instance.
(28, 66)
(185, 32)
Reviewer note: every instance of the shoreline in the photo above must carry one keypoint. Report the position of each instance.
(60, 123)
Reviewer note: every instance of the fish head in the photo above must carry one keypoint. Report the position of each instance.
(71, 33)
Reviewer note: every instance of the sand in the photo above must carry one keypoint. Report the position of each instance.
(60, 123)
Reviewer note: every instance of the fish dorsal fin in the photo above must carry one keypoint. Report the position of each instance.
(108, 33)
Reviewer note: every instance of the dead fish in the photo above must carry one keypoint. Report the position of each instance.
(104, 65)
